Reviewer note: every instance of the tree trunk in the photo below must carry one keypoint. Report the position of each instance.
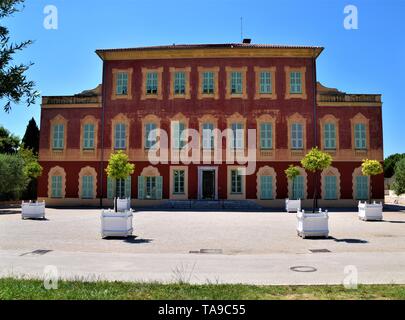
(315, 202)
(116, 200)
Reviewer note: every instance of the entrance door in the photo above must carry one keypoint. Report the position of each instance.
(208, 184)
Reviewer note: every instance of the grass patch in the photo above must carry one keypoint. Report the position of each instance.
(18, 289)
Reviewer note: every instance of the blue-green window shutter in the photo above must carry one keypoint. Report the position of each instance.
(141, 187)
(128, 187)
(330, 188)
(110, 188)
(159, 187)
(362, 187)
(266, 186)
(298, 191)
(56, 187)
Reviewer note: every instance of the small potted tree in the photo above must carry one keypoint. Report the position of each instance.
(314, 224)
(32, 170)
(292, 204)
(370, 211)
(115, 223)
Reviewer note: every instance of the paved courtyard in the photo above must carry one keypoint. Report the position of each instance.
(256, 247)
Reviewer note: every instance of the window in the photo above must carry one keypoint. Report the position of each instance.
(151, 83)
(178, 181)
(296, 136)
(179, 135)
(298, 187)
(361, 187)
(120, 136)
(87, 187)
(150, 188)
(118, 188)
(56, 187)
(208, 136)
(237, 136)
(330, 188)
(122, 84)
(236, 181)
(236, 82)
(208, 82)
(58, 136)
(266, 187)
(150, 135)
(266, 132)
(360, 136)
(265, 82)
(88, 136)
(295, 82)
(179, 83)
(329, 136)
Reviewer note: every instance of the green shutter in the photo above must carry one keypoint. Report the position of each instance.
(266, 186)
(362, 187)
(298, 191)
(141, 188)
(330, 188)
(128, 187)
(110, 188)
(159, 187)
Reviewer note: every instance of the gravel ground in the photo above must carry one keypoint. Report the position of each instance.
(180, 232)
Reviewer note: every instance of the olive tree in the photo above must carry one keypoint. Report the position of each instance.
(119, 168)
(315, 161)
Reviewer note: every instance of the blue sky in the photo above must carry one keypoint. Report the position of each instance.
(367, 60)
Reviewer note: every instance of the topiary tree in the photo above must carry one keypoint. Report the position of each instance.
(315, 161)
(119, 168)
(399, 178)
(371, 168)
(32, 170)
(292, 172)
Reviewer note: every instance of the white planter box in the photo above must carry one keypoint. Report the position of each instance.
(313, 224)
(292, 205)
(116, 224)
(33, 210)
(371, 211)
(123, 204)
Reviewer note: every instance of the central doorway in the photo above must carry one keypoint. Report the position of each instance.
(207, 183)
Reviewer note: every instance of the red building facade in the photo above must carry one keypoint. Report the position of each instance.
(151, 90)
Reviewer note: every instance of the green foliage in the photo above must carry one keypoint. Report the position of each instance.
(31, 137)
(13, 180)
(24, 289)
(316, 160)
(291, 172)
(371, 167)
(390, 162)
(399, 178)
(9, 143)
(118, 166)
(14, 85)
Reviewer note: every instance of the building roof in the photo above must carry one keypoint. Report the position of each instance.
(210, 50)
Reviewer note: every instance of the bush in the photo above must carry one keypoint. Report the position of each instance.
(399, 178)
(13, 181)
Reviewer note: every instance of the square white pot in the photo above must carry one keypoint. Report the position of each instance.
(292, 205)
(116, 224)
(123, 204)
(370, 211)
(313, 224)
(33, 210)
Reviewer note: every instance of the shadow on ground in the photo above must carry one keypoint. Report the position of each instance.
(131, 239)
(8, 212)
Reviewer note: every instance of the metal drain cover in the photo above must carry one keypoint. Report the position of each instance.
(303, 269)
(39, 252)
(208, 251)
(319, 250)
